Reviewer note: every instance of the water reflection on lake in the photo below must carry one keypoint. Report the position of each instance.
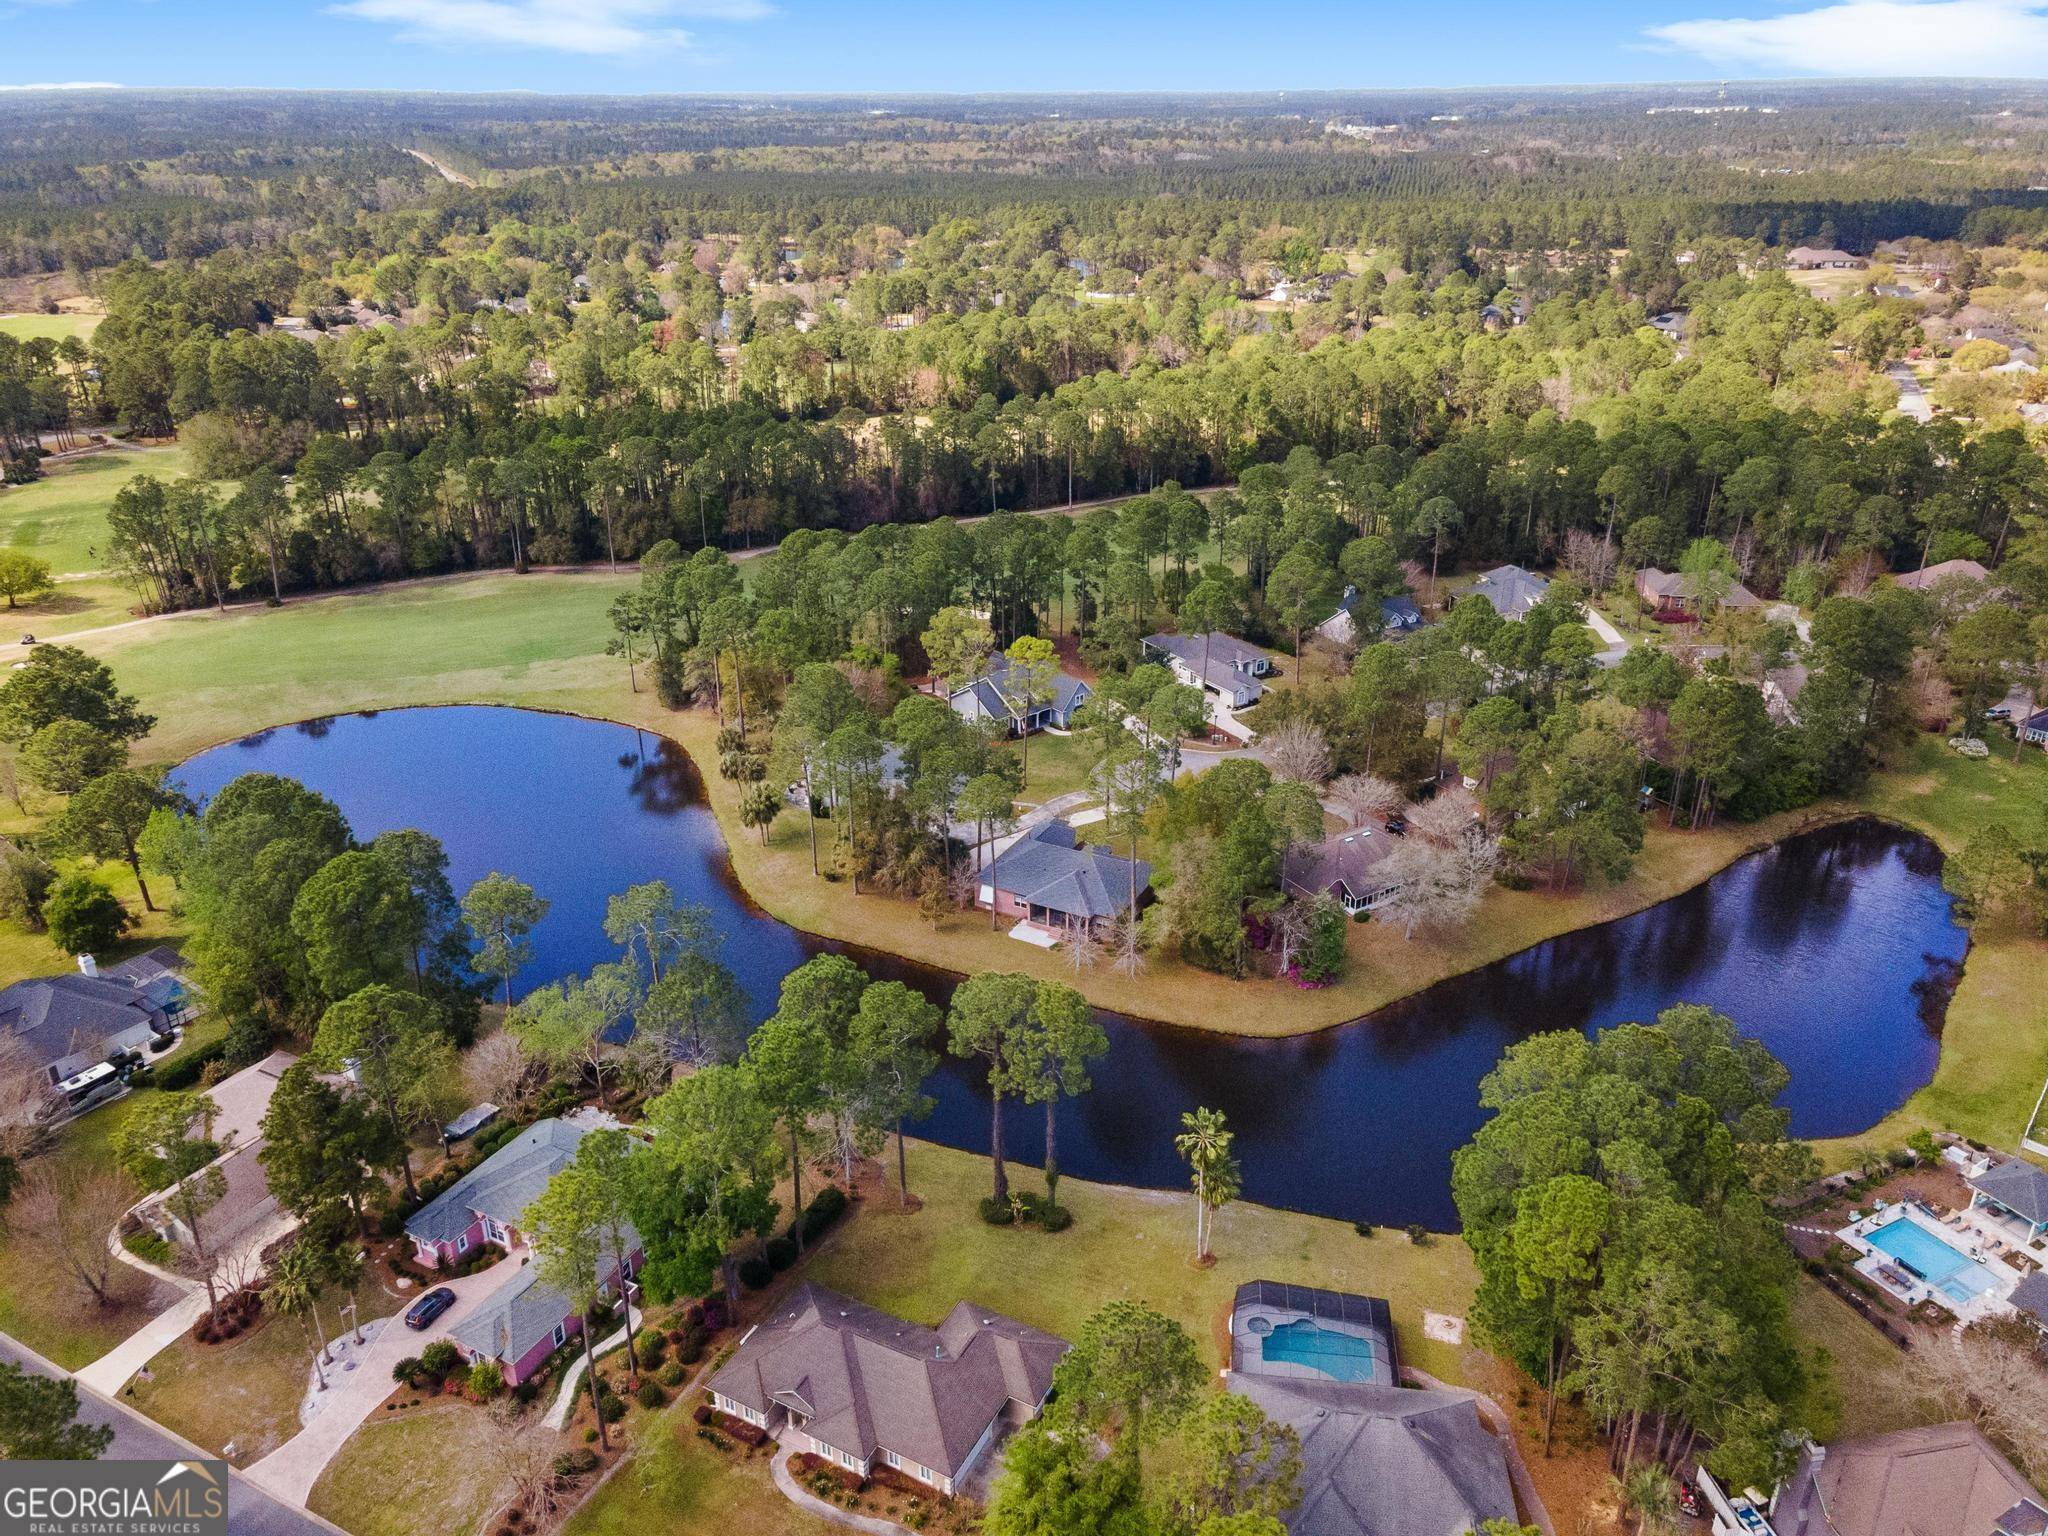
(1838, 948)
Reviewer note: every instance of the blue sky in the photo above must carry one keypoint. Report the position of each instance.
(632, 46)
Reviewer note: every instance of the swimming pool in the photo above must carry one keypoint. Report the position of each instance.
(1340, 1356)
(1954, 1273)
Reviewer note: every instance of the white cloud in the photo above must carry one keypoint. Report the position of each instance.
(608, 27)
(2003, 38)
(64, 85)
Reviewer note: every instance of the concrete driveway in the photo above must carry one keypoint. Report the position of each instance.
(290, 1471)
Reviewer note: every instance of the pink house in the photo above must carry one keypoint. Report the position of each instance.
(524, 1321)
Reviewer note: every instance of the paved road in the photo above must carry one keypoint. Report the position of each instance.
(1913, 399)
(251, 1511)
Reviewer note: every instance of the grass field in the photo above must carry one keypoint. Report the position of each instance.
(430, 1473)
(62, 519)
(676, 1484)
(247, 1391)
(54, 327)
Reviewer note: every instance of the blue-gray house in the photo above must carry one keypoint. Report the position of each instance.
(994, 696)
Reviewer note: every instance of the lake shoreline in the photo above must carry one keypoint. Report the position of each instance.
(1306, 1012)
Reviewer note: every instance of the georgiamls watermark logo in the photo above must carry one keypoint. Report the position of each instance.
(113, 1498)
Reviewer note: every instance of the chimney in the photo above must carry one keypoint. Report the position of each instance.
(88, 966)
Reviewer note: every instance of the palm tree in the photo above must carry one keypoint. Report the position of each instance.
(1204, 1144)
(1645, 1491)
(296, 1283)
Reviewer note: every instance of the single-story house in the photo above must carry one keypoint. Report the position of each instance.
(524, 1321)
(1673, 323)
(863, 1389)
(2015, 1189)
(68, 1024)
(1676, 592)
(1512, 590)
(2035, 728)
(487, 1203)
(1350, 866)
(1048, 877)
(1891, 291)
(1927, 576)
(2030, 1298)
(1375, 1457)
(992, 696)
(1808, 258)
(1398, 616)
(245, 1204)
(1222, 664)
(1940, 1477)
(1782, 687)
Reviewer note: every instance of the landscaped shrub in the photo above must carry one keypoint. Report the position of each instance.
(1418, 1234)
(673, 1373)
(407, 1371)
(1362, 1228)
(575, 1463)
(715, 1314)
(1055, 1218)
(826, 1207)
(997, 1213)
(693, 1317)
(439, 1358)
(182, 1072)
(650, 1394)
(781, 1253)
(486, 1380)
(755, 1273)
(526, 1391)
(611, 1405)
(701, 1413)
(146, 1245)
(691, 1351)
(731, 739)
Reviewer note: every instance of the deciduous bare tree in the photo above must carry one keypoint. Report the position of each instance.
(64, 1215)
(498, 1070)
(1299, 751)
(1439, 884)
(1365, 796)
(1995, 1375)
(1445, 818)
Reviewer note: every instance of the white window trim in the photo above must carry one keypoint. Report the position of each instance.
(561, 1334)
(462, 1243)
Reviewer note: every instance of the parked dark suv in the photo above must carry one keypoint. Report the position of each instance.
(430, 1306)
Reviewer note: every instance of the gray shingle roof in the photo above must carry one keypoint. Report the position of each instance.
(871, 1382)
(992, 692)
(1349, 859)
(1048, 866)
(2018, 1186)
(1512, 590)
(1228, 658)
(514, 1318)
(502, 1186)
(2031, 1295)
(59, 1018)
(1386, 1461)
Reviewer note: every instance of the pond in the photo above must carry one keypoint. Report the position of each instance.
(1837, 948)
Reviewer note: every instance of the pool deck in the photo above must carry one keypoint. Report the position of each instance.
(1248, 1344)
(1957, 1232)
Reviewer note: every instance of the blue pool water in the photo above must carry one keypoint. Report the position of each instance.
(1340, 1356)
(1945, 1268)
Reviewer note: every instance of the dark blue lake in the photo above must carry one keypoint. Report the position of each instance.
(1837, 948)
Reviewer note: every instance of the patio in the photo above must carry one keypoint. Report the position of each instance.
(1949, 1261)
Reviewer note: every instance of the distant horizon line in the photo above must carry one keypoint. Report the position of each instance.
(1053, 93)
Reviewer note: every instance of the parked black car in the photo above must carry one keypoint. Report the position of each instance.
(428, 1307)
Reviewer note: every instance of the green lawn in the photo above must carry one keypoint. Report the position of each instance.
(428, 1473)
(55, 327)
(1129, 1243)
(62, 519)
(677, 1485)
(246, 1391)
(49, 1316)
(1057, 764)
